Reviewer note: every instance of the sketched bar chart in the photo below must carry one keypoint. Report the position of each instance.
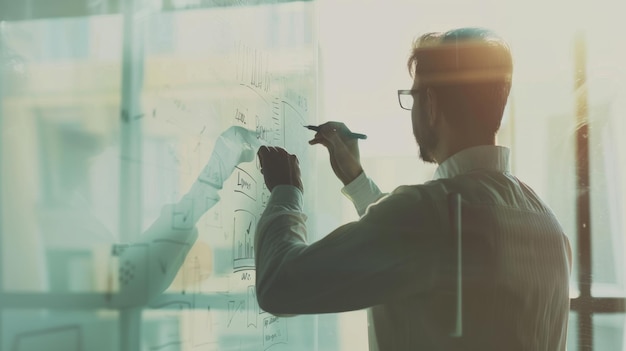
(243, 239)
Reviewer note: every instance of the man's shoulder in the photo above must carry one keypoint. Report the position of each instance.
(427, 194)
(429, 190)
(417, 204)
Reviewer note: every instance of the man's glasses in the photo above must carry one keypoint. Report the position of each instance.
(405, 97)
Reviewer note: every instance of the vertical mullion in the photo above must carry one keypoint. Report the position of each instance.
(583, 211)
(130, 329)
(2, 265)
(131, 151)
(131, 122)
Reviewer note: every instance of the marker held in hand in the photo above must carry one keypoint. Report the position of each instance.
(346, 133)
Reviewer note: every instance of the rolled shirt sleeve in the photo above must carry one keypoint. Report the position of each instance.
(362, 191)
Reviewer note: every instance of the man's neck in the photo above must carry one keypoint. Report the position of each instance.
(445, 150)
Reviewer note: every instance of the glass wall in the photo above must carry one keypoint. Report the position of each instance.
(60, 130)
(119, 133)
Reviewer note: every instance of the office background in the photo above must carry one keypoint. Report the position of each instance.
(76, 182)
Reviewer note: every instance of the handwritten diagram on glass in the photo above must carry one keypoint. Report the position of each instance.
(254, 85)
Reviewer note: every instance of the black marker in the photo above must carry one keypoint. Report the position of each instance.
(349, 134)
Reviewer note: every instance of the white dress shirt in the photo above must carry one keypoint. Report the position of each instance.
(396, 261)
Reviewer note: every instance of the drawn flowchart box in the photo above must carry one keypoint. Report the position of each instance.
(253, 307)
(274, 331)
(245, 184)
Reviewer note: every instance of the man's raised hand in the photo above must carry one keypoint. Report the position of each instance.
(279, 167)
(343, 150)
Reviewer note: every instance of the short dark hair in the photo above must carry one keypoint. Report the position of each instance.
(470, 71)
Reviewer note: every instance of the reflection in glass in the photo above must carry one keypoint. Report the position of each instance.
(77, 330)
(60, 155)
(608, 332)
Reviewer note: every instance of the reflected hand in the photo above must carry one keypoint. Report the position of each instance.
(343, 150)
(234, 146)
(279, 167)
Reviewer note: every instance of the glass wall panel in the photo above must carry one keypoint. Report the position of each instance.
(608, 332)
(60, 145)
(46, 329)
(607, 105)
(572, 332)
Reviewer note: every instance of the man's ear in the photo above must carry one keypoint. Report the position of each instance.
(432, 106)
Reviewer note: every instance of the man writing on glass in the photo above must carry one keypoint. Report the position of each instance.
(396, 259)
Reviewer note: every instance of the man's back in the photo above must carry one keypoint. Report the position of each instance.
(515, 271)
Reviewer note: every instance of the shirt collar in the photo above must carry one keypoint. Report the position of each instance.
(484, 157)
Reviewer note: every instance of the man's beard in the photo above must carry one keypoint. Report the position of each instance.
(426, 138)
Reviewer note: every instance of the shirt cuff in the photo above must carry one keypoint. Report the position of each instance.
(362, 191)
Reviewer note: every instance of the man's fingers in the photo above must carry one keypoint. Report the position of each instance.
(328, 135)
(281, 151)
(318, 140)
(279, 167)
(271, 154)
(265, 154)
(332, 129)
(327, 130)
(333, 125)
(294, 159)
(262, 154)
